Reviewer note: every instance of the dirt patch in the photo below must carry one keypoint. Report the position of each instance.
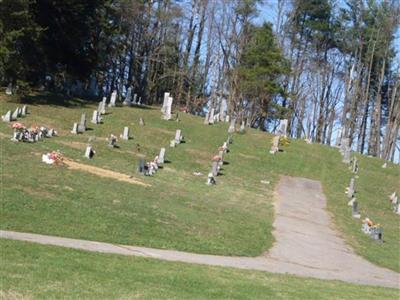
(249, 156)
(73, 165)
(39, 193)
(75, 145)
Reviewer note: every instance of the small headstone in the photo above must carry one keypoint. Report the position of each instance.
(275, 144)
(172, 144)
(139, 102)
(89, 153)
(214, 168)
(24, 111)
(346, 155)
(384, 166)
(211, 117)
(210, 179)
(14, 116)
(9, 90)
(134, 99)
(113, 99)
(161, 156)
(82, 123)
(19, 112)
(242, 128)
(7, 117)
(128, 98)
(178, 136)
(354, 168)
(102, 109)
(141, 166)
(141, 122)
(282, 128)
(355, 212)
(125, 134)
(75, 128)
(231, 128)
(206, 119)
(95, 117)
(112, 141)
(351, 190)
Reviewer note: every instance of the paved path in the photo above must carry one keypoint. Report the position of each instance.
(306, 244)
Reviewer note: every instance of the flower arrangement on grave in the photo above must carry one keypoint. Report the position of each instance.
(221, 148)
(54, 157)
(216, 158)
(284, 141)
(18, 127)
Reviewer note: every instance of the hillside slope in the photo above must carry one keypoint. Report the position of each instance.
(178, 211)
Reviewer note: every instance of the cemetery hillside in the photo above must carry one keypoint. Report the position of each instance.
(174, 209)
(199, 149)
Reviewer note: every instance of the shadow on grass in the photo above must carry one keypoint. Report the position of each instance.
(55, 99)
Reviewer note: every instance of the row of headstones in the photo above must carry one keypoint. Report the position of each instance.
(375, 231)
(211, 117)
(32, 135)
(218, 162)
(19, 112)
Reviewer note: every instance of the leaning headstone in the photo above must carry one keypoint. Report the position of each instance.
(7, 117)
(125, 134)
(75, 128)
(161, 156)
(95, 117)
(14, 116)
(24, 111)
(113, 99)
(89, 153)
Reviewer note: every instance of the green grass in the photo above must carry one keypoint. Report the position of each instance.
(179, 211)
(36, 271)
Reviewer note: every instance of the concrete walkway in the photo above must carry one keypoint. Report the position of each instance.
(306, 245)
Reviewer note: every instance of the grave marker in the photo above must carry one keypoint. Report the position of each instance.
(95, 117)
(89, 153)
(113, 99)
(125, 134)
(15, 114)
(161, 156)
(7, 117)
(211, 117)
(24, 111)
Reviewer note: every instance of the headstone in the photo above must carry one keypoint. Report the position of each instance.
(125, 134)
(172, 143)
(82, 123)
(112, 141)
(95, 117)
(9, 89)
(344, 144)
(351, 190)
(7, 117)
(89, 153)
(376, 234)
(168, 108)
(178, 136)
(211, 117)
(227, 119)
(231, 128)
(15, 114)
(102, 109)
(19, 112)
(139, 102)
(128, 98)
(210, 179)
(141, 122)
(113, 99)
(282, 128)
(75, 128)
(134, 99)
(206, 119)
(355, 212)
(24, 111)
(165, 103)
(214, 168)
(384, 166)
(242, 128)
(161, 156)
(346, 155)
(354, 168)
(141, 166)
(275, 144)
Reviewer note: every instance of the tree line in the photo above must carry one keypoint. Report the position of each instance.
(327, 66)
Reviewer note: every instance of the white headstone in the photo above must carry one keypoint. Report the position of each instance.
(89, 152)
(125, 134)
(113, 99)
(95, 117)
(24, 111)
(282, 129)
(211, 117)
(167, 115)
(15, 114)
(206, 118)
(178, 137)
(128, 98)
(165, 103)
(7, 117)
(75, 128)
(161, 156)
(134, 99)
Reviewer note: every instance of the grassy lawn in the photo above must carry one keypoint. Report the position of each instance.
(178, 211)
(59, 273)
